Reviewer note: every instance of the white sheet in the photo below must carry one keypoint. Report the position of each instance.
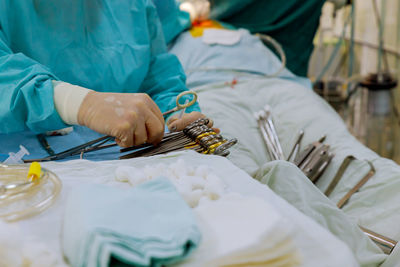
(294, 107)
(317, 246)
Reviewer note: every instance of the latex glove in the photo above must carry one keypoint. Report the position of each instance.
(178, 124)
(132, 119)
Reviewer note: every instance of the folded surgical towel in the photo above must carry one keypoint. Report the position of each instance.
(149, 225)
(242, 231)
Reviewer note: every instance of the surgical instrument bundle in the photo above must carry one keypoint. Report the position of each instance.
(269, 134)
(312, 161)
(385, 243)
(196, 136)
(26, 191)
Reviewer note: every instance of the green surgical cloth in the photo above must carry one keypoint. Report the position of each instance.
(104, 45)
(292, 23)
(149, 225)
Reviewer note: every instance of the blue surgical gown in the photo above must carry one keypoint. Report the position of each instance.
(104, 45)
(173, 20)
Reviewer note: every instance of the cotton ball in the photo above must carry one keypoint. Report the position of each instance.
(192, 198)
(170, 174)
(154, 171)
(148, 171)
(195, 182)
(175, 182)
(178, 168)
(130, 174)
(183, 186)
(161, 168)
(202, 171)
(137, 177)
(176, 164)
(204, 200)
(122, 173)
(214, 187)
(212, 178)
(151, 172)
(190, 170)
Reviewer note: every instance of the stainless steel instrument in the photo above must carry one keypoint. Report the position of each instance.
(196, 136)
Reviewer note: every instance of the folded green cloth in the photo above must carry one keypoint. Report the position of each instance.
(149, 225)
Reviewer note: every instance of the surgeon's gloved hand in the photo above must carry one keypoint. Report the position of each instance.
(178, 124)
(132, 119)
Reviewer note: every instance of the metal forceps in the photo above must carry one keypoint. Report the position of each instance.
(180, 106)
(94, 145)
(267, 128)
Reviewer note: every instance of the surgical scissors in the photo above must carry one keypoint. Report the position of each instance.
(180, 106)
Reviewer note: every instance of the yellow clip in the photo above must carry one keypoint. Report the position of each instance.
(204, 135)
(34, 171)
(212, 148)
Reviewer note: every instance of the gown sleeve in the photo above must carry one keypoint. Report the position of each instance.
(26, 93)
(165, 78)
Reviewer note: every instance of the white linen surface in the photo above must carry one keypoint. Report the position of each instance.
(316, 245)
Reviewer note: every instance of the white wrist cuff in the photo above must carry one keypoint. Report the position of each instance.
(68, 99)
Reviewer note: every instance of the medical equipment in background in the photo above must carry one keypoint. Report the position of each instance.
(268, 40)
(375, 108)
(366, 103)
(26, 190)
(373, 115)
(196, 136)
